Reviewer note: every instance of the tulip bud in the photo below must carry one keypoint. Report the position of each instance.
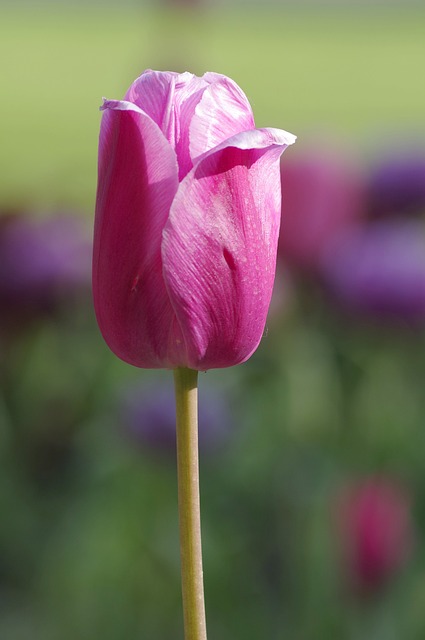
(375, 532)
(187, 222)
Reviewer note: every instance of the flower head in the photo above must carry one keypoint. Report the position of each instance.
(187, 222)
(375, 530)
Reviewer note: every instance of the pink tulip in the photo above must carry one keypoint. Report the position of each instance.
(376, 531)
(187, 222)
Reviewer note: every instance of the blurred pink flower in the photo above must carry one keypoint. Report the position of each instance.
(375, 531)
(187, 222)
(322, 195)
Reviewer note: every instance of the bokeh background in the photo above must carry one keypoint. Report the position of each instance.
(313, 452)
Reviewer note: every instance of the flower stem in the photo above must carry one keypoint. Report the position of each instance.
(186, 390)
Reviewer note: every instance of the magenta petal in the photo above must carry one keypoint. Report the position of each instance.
(168, 98)
(219, 247)
(222, 112)
(138, 178)
(194, 114)
(153, 92)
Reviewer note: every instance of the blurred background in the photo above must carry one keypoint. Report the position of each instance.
(313, 452)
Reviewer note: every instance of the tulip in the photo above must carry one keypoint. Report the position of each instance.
(187, 222)
(185, 242)
(375, 530)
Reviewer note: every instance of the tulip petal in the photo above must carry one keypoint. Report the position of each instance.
(153, 92)
(219, 247)
(138, 178)
(169, 99)
(222, 112)
(195, 114)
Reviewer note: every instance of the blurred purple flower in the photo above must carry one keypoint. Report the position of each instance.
(149, 417)
(375, 531)
(322, 194)
(379, 271)
(42, 260)
(397, 186)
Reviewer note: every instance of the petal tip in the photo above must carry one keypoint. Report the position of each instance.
(283, 137)
(109, 104)
(290, 138)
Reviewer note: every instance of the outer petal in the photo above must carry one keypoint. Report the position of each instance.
(219, 247)
(138, 178)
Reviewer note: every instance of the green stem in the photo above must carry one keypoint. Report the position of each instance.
(186, 389)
